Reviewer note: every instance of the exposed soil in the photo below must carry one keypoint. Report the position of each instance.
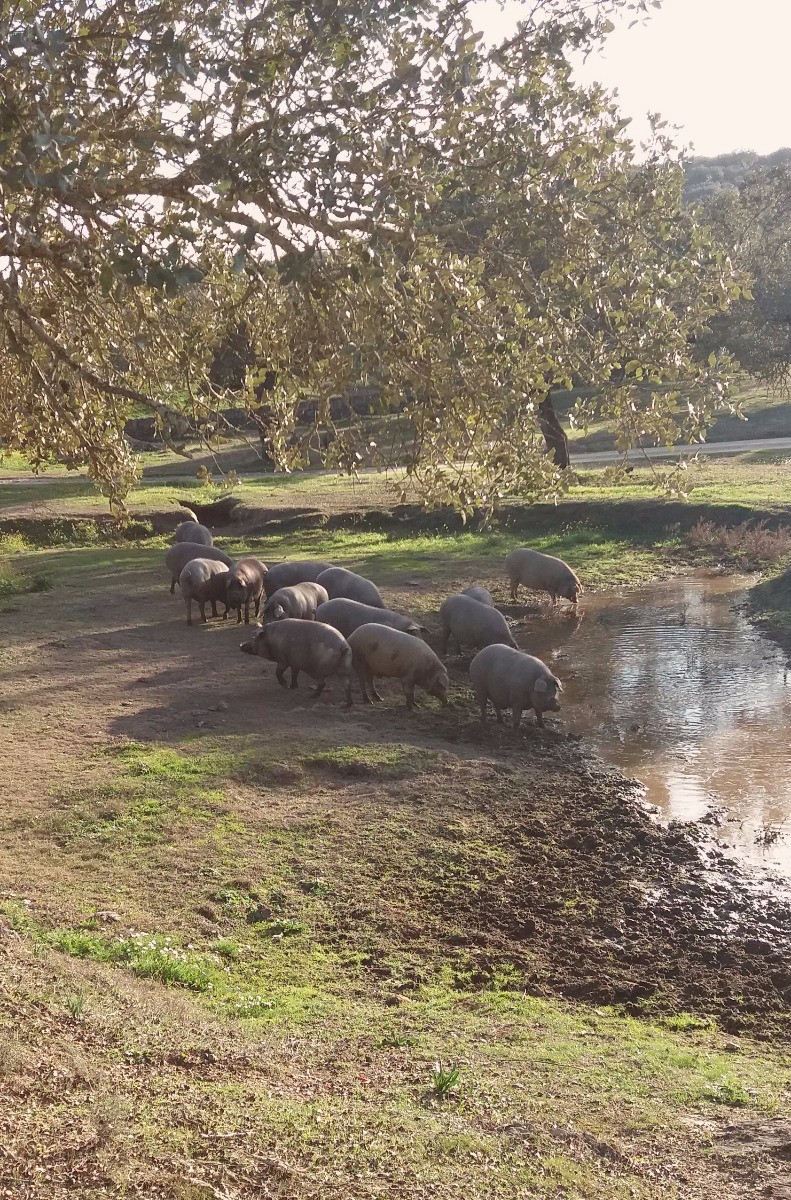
(573, 884)
(478, 853)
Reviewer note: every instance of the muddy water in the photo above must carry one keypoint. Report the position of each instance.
(677, 689)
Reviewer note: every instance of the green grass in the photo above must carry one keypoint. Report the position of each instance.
(18, 583)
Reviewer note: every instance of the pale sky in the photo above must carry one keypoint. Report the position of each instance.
(721, 69)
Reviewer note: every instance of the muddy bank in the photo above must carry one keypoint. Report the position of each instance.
(553, 875)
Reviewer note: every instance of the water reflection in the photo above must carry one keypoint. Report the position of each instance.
(678, 690)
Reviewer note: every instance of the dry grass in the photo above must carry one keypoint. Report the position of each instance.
(751, 545)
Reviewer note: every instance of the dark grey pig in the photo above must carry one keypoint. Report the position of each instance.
(286, 574)
(193, 531)
(472, 624)
(347, 615)
(203, 580)
(245, 583)
(300, 601)
(512, 679)
(342, 583)
(318, 650)
(177, 557)
(480, 594)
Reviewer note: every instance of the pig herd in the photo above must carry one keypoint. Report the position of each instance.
(322, 620)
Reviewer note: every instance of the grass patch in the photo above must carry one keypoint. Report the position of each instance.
(19, 583)
(375, 759)
(154, 793)
(148, 956)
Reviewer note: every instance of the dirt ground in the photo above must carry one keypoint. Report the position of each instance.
(476, 853)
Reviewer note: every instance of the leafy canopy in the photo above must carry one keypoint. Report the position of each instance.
(372, 194)
(752, 221)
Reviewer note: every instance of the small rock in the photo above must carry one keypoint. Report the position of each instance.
(731, 1047)
(107, 916)
(221, 706)
(206, 910)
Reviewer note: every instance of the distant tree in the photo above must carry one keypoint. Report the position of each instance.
(753, 224)
(380, 198)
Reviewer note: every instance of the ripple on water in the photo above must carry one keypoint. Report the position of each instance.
(675, 687)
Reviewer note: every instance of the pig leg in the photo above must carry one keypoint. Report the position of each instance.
(362, 675)
(257, 604)
(319, 688)
(409, 692)
(516, 717)
(239, 615)
(348, 692)
(202, 607)
(294, 676)
(443, 649)
(247, 611)
(214, 612)
(482, 702)
(539, 719)
(514, 588)
(188, 602)
(173, 583)
(279, 675)
(372, 683)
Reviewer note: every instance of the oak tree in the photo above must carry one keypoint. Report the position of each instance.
(377, 196)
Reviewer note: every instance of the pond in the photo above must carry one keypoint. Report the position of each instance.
(674, 686)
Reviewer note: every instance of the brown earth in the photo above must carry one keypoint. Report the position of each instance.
(477, 851)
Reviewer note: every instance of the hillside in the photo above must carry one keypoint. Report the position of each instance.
(702, 176)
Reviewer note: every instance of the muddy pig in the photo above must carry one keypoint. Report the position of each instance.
(300, 600)
(347, 615)
(378, 650)
(203, 580)
(245, 583)
(542, 573)
(177, 557)
(342, 583)
(512, 679)
(286, 574)
(318, 650)
(472, 624)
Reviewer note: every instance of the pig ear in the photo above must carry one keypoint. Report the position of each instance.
(540, 685)
(558, 684)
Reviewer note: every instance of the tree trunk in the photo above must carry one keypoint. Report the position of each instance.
(555, 438)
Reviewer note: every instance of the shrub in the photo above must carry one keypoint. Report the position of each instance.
(749, 545)
(17, 583)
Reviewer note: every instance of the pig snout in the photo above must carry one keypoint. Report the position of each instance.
(248, 647)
